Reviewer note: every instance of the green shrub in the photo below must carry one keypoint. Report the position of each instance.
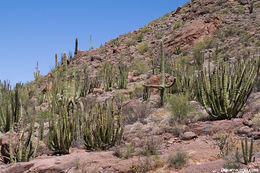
(140, 67)
(115, 42)
(178, 160)
(179, 106)
(138, 37)
(145, 29)
(177, 25)
(151, 146)
(143, 47)
(158, 35)
(130, 42)
(198, 56)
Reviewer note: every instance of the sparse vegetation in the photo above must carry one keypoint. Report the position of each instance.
(143, 47)
(158, 35)
(224, 142)
(179, 106)
(139, 66)
(177, 25)
(178, 159)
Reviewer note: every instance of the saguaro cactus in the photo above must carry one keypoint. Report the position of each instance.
(224, 91)
(163, 85)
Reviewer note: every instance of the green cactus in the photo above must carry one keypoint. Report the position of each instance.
(185, 80)
(63, 110)
(107, 73)
(103, 127)
(37, 73)
(25, 148)
(247, 155)
(123, 76)
(5, 111)
(224, 91)
(163, 85)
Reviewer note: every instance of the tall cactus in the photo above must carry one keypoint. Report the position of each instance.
(103, 127)
(224, 91)
(107, 72)
(123, 76)
(247, 154)
(163, 85)
(61, 122)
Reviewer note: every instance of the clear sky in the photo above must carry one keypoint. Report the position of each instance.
(34, 30)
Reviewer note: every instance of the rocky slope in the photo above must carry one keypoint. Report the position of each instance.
(199, 24)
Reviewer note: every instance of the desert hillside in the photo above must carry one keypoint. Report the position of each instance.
(181, 94)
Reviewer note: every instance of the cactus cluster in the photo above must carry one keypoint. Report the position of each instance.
(107, 74)
(122, 76)
(13, 106)
(247, 154)
(103, 127)
(185, 79)
(163, 85)
(224, 91)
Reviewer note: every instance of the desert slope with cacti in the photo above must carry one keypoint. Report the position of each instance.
(181, 94)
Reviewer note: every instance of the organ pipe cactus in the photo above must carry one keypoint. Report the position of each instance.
(224, 91)
(163, 85)
(107, 72)
(24, 149)
(61, 122)
(123, 76)
(103, 127)
(247, 154)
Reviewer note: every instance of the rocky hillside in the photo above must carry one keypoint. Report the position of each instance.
(178, 136)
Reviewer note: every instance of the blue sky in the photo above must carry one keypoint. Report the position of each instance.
(32, 31)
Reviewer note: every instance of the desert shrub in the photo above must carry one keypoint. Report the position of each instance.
(130, 149)
(143, 47)
(140, 67)
(135, 113)
(256, 121)
(115, 42)
(224, 142)
(151, 146)
(232, 160)
(198, 56)
(145, 29)
(146, 164)
(136, 91)
(178, 160)
(138, 37)
(158, 35)
(177, 25)
(179, 106)
(130, 42)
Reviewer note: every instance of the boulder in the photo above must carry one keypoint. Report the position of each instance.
(188, 136)
(245, 130)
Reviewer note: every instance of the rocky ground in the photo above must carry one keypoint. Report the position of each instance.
(226, 22)
(156, 131)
